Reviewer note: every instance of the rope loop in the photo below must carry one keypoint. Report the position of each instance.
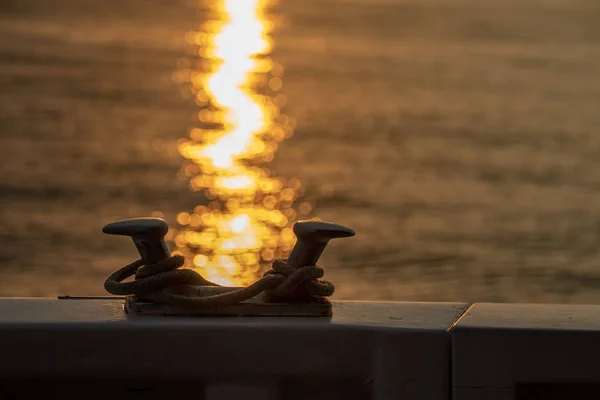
(163, 282)
(300, 284)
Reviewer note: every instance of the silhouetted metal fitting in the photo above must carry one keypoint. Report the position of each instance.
(148, 235)
(313, 237)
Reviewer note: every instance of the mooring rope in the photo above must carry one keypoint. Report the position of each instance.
(159, 283)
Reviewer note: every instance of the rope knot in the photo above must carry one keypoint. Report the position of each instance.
(300, 284)
(152, 278)
(164, 282)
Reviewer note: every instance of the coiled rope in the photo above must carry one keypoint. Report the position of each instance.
(162, 283)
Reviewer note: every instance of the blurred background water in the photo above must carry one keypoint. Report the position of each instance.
(458, 137)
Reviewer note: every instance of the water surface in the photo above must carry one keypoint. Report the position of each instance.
(458, 138)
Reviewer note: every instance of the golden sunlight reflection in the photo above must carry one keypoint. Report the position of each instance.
(247, 216)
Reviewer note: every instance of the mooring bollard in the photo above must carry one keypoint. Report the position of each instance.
(292, 287)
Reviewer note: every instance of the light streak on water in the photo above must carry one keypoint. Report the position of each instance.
(246, 219)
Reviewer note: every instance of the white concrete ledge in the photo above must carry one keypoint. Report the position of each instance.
(527, 351)
(367, 350)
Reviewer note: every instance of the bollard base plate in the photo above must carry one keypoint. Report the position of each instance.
(318, 308)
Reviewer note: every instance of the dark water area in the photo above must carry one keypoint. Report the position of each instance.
(459, 138)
